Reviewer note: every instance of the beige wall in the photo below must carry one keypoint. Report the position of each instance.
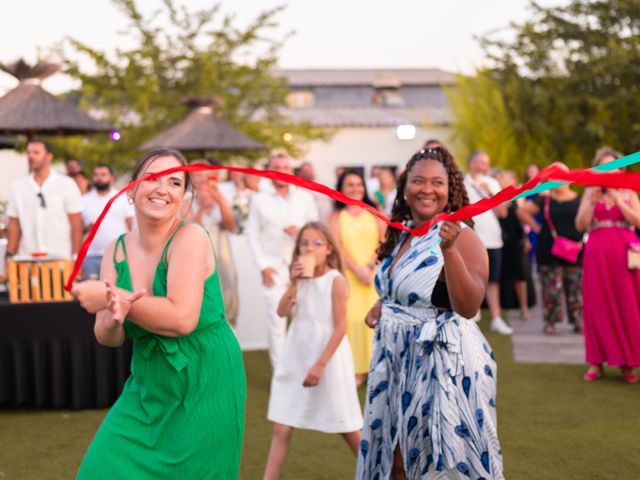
(366, 147)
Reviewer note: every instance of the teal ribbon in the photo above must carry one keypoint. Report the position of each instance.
(621, 162)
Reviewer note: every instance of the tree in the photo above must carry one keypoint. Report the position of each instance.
(567, 81)
(191, 54)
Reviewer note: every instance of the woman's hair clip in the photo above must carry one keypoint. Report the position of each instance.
(424, 151)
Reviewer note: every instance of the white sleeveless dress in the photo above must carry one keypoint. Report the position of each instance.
(332, 406)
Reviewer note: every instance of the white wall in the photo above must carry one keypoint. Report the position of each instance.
(366, 147)
(251, 325)
(13, 165)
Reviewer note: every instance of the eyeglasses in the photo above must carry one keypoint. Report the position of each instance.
(43, 203)
(315, 243)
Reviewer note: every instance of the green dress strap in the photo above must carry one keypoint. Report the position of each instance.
(119, 241)
(183, 223)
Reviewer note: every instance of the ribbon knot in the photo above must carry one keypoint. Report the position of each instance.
(169, 348)
(443, 336)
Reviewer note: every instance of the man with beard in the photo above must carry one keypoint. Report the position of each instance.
(119, 219)
(43, 209)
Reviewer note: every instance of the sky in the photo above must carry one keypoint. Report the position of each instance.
(327, 33)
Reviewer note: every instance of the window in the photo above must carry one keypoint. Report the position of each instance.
(301, 99)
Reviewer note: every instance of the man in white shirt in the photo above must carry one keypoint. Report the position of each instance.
(480, 185)
(323, 203)
(118, 221)
(44, 209)
(274, 221)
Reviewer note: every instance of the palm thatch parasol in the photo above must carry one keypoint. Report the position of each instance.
(202, 130)
(28, 109)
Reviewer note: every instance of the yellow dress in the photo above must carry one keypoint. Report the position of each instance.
(359, 238)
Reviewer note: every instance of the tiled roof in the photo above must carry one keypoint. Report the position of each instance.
(335, 117)
(373, 76)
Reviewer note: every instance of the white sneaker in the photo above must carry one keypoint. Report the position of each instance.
(500, 326)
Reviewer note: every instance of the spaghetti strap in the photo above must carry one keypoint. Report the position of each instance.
(119, 241)
(183, 223)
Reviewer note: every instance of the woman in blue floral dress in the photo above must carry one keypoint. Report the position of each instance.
(430, 405)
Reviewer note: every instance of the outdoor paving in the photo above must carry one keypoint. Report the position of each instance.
(530, 345)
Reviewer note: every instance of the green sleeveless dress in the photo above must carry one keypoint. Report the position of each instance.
(181, 413)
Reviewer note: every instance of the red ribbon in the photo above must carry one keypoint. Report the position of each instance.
(585, 177)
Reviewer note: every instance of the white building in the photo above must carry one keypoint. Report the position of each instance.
(378, 117)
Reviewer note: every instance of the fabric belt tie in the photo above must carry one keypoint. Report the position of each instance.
(610, 224)
(439, 336)
(169, 348)
(443, 335)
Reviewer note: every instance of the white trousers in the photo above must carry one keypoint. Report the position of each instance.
(277, 326)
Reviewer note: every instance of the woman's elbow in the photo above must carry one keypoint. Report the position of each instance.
(185, 327)
(467, 311)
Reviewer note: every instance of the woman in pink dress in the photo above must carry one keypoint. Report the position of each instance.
(611, 291)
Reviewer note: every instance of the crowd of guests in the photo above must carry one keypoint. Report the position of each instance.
(49, 213)
(328, 267)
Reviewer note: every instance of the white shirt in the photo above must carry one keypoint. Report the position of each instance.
(228, 190)
(487, 225)
(113, 225)
(45, 229)
(269, 215)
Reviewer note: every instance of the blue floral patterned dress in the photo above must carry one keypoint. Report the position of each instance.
(432, 380)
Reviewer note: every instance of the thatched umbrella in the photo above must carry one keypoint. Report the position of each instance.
(203, 131)
(29, 110)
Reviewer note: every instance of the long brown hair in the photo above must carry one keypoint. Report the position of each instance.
(401, 212)
(334, 260)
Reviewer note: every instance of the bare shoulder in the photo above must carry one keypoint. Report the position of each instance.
(192, 235)
(470, 245)
(468, 236)
(340, 283)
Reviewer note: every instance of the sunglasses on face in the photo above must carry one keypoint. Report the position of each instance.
(43, 203)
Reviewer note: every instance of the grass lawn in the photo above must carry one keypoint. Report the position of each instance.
(552, 426)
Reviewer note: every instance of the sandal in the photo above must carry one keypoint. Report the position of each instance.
(590, 375)
(628, 375)
(550, 329)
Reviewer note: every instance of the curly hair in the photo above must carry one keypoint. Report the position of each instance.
(401, 212)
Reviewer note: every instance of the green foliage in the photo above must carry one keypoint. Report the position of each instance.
(189, 54)
(566, 84)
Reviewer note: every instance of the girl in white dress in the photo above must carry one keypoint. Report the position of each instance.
(313, 385)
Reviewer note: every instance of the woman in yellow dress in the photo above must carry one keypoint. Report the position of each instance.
(359, 234)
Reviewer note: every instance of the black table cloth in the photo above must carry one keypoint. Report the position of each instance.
(50, 358)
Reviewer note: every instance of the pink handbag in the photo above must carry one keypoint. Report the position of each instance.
(566, 249)
(562, 247)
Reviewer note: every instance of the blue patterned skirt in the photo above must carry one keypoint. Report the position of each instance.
(431, 392)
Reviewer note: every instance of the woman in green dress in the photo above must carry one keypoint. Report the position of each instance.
(181, 413)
